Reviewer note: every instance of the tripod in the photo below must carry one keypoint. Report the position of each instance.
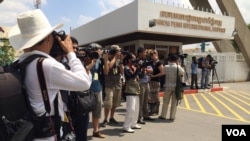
(214, 73)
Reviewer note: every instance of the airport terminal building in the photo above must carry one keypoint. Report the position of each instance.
(154, 25)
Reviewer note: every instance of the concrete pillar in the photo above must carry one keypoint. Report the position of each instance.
(242, 38)
(222, 45)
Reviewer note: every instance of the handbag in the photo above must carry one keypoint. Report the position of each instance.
(178, 88)
(131, 87)
(82, 102)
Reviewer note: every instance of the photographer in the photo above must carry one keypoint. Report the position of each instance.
(194, 71)
(38, 38)
(96, 85)
(205, 71)
(132, 91)
(113, 70)
(170, 71)
(144, 79)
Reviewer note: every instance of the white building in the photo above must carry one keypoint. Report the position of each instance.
(171, 26)
(155, 26)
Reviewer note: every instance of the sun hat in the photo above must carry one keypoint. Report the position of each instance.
(94, 46)
(32, 26)
(115, 47)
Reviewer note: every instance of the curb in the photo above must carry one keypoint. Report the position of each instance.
(195, 91)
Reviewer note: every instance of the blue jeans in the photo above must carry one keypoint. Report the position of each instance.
(80, 123)
(204, 78)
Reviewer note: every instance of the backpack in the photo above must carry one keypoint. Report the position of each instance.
(200, 61)
(15, 109)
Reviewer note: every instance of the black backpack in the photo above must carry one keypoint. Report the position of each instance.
(15, 110)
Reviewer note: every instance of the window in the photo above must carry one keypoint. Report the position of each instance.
(130, 48)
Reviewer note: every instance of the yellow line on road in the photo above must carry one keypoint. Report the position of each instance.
(212, 105)
(199, 104)
(227, 107)
(242, 101)
(246, 94)
(214, 115)
(237, 105)
(186, 102)
(241, 95)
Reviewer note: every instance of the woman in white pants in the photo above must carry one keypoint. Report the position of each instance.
(132, 91)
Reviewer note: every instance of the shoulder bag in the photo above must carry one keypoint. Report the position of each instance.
(82, 102)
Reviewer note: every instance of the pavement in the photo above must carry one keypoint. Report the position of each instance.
(188, 126)
(212, 88)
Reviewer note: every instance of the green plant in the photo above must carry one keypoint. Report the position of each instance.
(7, 53)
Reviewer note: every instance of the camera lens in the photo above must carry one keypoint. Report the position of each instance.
(56, 48)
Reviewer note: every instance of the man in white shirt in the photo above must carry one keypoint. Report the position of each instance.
(169, 94)
(34, 35)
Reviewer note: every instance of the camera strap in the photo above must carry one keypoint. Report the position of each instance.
(45, 95)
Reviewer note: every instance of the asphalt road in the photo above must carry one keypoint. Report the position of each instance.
(199, 117)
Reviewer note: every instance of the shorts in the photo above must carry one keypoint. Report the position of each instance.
(112, 98)
(96, 113)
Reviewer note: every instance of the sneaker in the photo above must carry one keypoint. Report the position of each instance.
(148, 119)
(128, 130)
(104, 123)
(136, 127)
(141, 121)
(112, 121)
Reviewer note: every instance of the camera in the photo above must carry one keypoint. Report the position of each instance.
(87, 52)
(142, 62)
(183, 55)
(215, 62)
(109, 51)
(56, 48)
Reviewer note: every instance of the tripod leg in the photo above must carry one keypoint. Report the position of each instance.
(216, 76)
(212, 78)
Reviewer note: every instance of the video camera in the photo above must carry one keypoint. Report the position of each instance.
(87, 52)
(182, 56)
(111, 51)
(142, 62)
(213, 63)
(56, 48)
